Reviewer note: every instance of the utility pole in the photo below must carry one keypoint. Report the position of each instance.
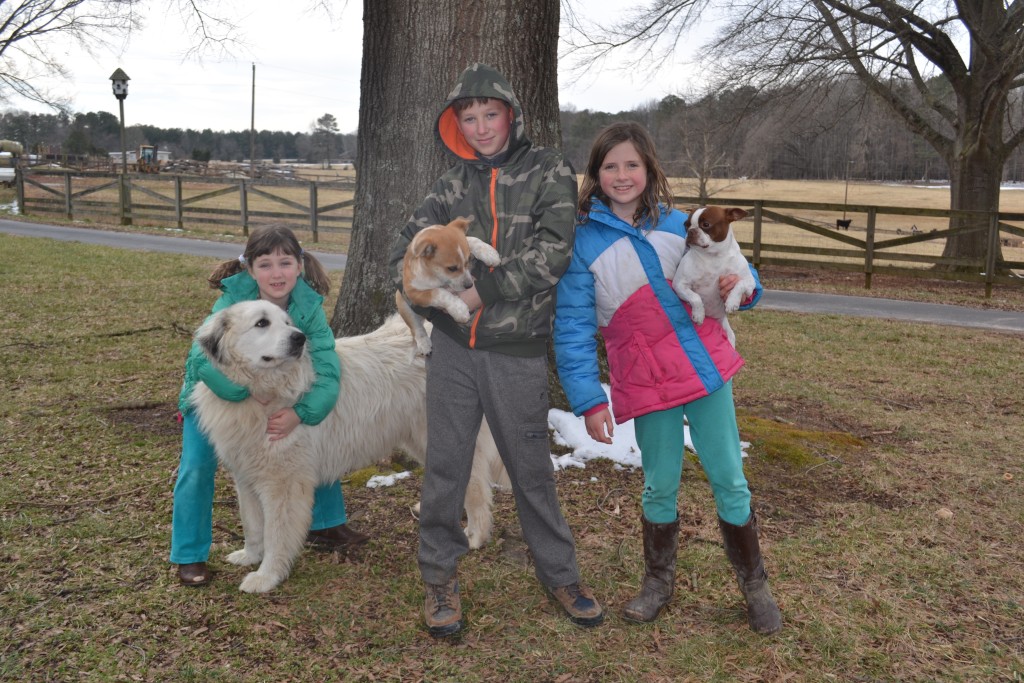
(252, 128)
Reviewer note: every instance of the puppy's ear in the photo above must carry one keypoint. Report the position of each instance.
(689, 215)
(424, 248)
(735, 214)
(460, 223)
(210, 334)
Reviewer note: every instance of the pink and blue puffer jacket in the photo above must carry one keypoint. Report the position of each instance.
(618, 283)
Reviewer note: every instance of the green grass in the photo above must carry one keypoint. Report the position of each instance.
(861, 431)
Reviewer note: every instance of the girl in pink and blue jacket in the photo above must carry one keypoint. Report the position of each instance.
(662, 367)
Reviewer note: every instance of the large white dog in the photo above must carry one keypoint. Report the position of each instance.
(381, 407)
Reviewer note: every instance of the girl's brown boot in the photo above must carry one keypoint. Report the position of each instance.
(661, 542)
(744, 553)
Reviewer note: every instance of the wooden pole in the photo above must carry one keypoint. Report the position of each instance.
(126, 197)
(252, 127)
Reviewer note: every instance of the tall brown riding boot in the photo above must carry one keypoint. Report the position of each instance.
(744, 553)
(661, 541)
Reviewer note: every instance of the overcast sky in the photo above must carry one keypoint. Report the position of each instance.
(305, 66)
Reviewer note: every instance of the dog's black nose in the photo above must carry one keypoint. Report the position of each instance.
(298, 340)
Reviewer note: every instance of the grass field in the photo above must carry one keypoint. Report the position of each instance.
(885, 464)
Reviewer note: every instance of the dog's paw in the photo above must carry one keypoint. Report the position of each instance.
(489, 256)
(697, 315)
(244, 558)
(483, 252)
(255, 582)
(478, 535)
(423, 346)
(736, 298)
(459, 311)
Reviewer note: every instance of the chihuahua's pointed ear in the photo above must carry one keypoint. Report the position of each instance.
(736, 214)
(460, 223)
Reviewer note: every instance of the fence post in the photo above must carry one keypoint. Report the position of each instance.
(990, 256)
(19, 185)
(243, 198)
(313, 211)
(758, 222)
(67, 197)
(869, 247)
(125, 199)
(178, 209)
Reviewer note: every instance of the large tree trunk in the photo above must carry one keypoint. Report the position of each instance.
(974, 186)
(412, 53)
(977, 156)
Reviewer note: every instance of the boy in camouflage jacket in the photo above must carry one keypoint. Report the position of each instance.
(521, 200)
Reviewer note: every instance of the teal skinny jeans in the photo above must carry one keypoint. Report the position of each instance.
(714, 433)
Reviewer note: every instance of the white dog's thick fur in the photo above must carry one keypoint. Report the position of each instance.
(381, 407)
(713, 252)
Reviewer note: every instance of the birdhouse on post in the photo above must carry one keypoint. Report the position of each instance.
(120, 84)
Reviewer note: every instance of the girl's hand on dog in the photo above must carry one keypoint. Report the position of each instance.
(281, 423)
(725, 285)
(600, 426)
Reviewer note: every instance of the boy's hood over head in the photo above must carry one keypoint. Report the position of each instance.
(478, 80)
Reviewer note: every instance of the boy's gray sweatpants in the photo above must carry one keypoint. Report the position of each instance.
(462, 386)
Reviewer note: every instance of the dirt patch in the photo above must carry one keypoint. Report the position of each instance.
(160, 419)
(800, 470)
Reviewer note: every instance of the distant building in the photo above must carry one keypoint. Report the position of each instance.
(162, 157)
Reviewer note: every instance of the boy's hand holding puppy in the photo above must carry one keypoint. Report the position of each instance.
(435, 270)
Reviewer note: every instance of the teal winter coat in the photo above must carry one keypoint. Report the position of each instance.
(305, 308)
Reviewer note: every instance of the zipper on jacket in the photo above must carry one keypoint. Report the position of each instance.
(494, 243)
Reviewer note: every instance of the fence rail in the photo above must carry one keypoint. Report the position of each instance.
(878, 239)
(902, 241)
(316, 206)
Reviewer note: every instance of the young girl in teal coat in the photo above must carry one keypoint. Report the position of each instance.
(274, 268)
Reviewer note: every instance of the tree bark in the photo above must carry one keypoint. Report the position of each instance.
(413, 51)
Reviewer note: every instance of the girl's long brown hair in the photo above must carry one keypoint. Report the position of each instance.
(264, 240)
(657, 190)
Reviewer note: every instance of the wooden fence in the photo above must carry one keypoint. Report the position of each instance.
(164, 199)
(868, 239)
(878, 239)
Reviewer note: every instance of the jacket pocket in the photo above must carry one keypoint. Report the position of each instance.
(638, 365)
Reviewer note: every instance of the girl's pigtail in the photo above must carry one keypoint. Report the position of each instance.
(224, 270)
(315, 273)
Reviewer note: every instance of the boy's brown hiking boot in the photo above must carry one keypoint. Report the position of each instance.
(580, 604)
(443, 608)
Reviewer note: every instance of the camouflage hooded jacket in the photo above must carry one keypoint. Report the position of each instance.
(521, 202)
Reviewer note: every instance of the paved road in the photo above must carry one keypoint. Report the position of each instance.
(799, 302)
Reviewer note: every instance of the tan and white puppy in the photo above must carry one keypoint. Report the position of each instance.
(435, 268)
(712, 251)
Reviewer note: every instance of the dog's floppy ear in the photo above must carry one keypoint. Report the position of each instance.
(423, 248)
(460, 223)
(210, 334)
(735, 214)
(689, 216)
